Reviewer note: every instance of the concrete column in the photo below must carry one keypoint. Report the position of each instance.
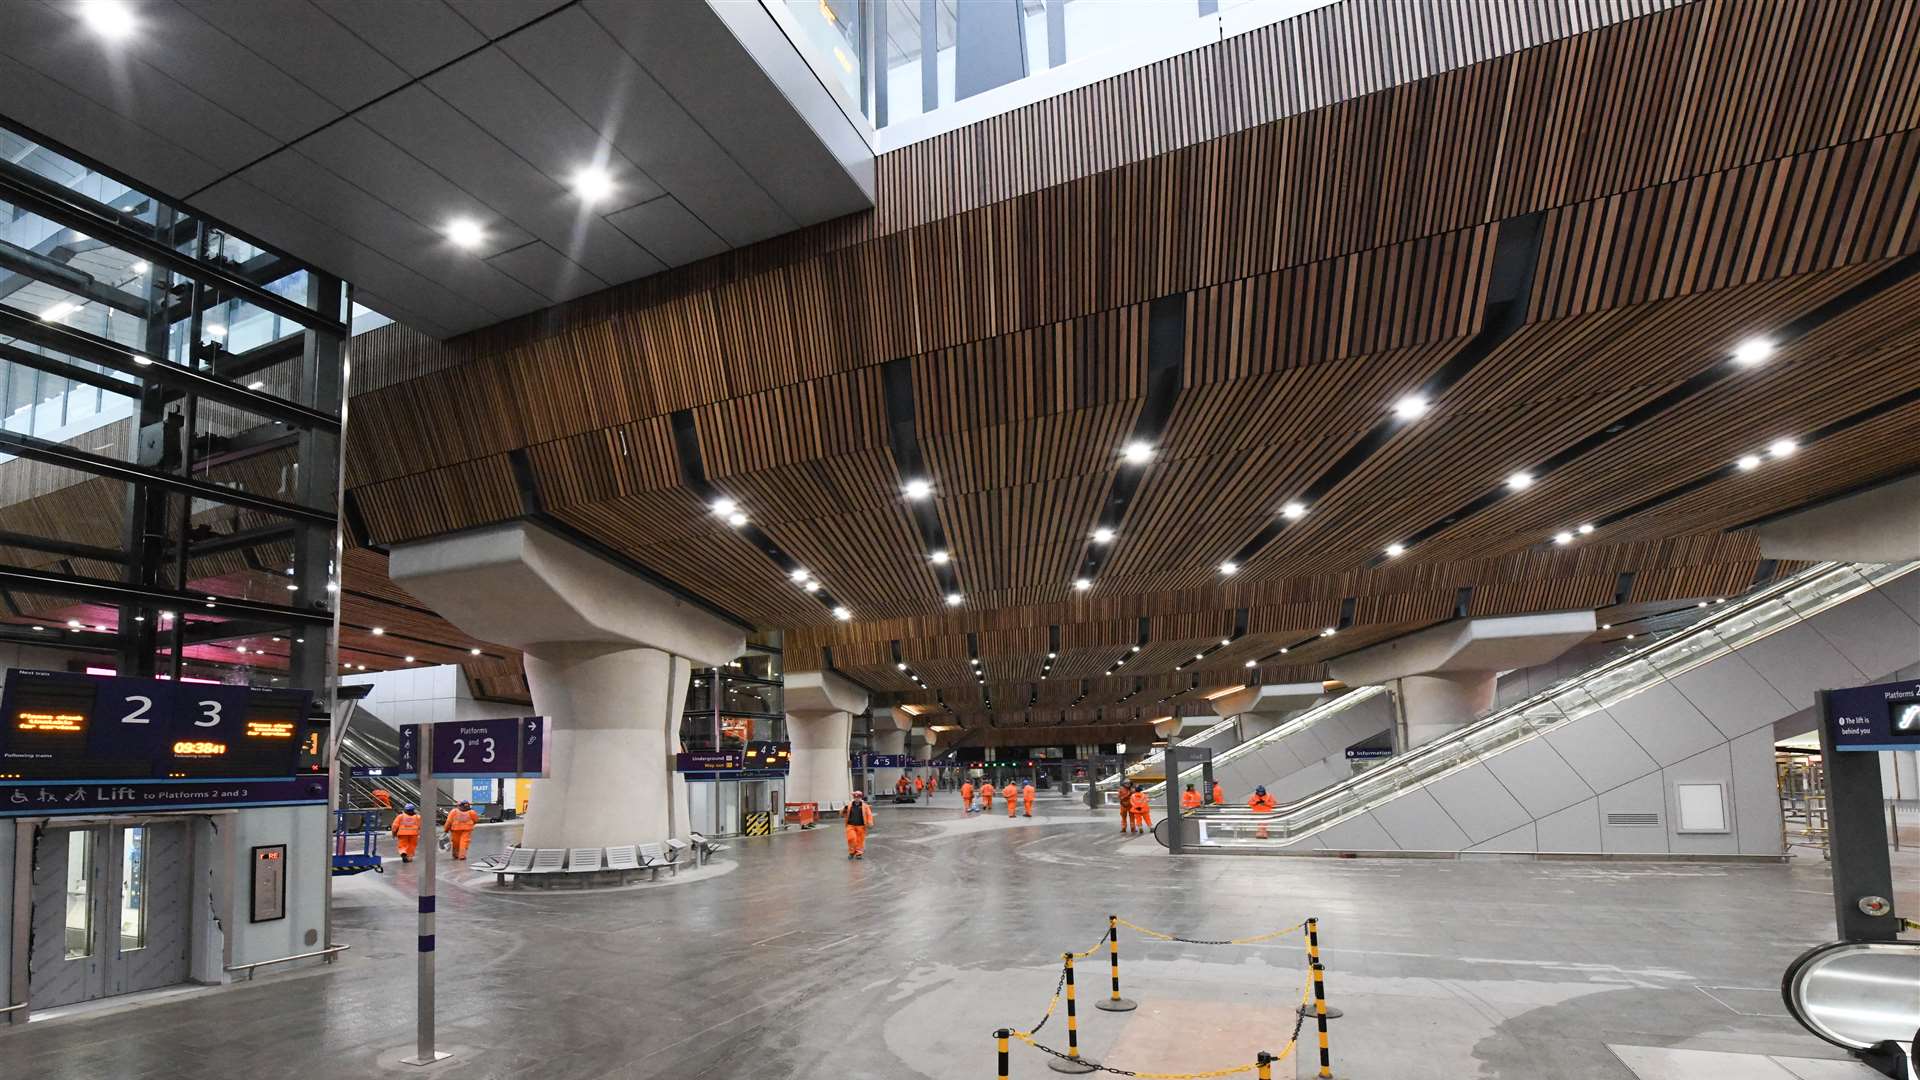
(608, 658)
(887, 739)
(1435, 704)
(820, 707)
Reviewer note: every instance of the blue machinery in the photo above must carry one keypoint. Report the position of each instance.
(347, 862)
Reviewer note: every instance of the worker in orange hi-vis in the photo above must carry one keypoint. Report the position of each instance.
(406, 832)
(460, 822)
(1219, 794)
(1260, 803)
(987, 792)
(859, 819)
(919, 786)
(383, 797)
(966, 797)
(1026, 798)
(1189, 799)
(1124, 796)
(1142, 818)
(1012, 793)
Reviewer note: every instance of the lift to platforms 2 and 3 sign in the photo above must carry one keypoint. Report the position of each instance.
(73, 743)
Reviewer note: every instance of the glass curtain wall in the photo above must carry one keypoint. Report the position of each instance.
(169, 433)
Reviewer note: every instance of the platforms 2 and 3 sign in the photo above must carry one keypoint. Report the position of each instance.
(505, 747)
(1885, 716)
(73, 743)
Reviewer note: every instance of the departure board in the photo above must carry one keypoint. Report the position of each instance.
(62, 725)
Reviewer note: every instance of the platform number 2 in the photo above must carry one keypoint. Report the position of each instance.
(460, 751)
(138, 715)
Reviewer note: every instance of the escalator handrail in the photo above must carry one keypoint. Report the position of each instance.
(1336, 704)
(1792, 987)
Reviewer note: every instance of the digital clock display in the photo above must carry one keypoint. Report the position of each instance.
(66, 726)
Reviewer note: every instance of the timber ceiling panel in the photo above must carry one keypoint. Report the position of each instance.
(1323, 264)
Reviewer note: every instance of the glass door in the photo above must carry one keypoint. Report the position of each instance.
(110, 911)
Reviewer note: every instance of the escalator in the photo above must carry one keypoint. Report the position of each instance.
(369, 742)
(1785, 608)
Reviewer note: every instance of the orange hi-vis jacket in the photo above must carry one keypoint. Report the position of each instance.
(966, 791)
(1139, 805)
(1219, 795)
(1262, 803)
(406, 825)
(1190, 800)
(461, 820)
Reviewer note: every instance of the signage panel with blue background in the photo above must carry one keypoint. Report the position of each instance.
(1885, 716)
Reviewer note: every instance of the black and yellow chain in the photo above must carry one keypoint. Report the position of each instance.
(1254, 940)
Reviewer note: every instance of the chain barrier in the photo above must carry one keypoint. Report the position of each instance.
(1051, 1003)
(1094, 949)
(1256, 939)
(1292, 1042)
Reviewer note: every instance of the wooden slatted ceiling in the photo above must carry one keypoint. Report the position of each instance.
(1346, 245)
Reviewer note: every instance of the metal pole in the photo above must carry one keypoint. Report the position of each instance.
(1320, 1007)
(424, 1053)
(1115, 1003)
(1001, 1037)
(1313, 962)
(1071, 1063)
(1265, 1061)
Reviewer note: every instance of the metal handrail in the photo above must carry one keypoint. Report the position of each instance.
(13, 1008)
(326, 952)
(1284, 821)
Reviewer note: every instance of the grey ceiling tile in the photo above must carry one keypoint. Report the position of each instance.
(454, 146)
(665, 228)
(274, 221)
(495, 93)
(577, 61)
(358, 154)
(497, 17)
(304, 184)
(45, 38)
(297, 38)
(419, 35)
(541, 268)
(163, 167)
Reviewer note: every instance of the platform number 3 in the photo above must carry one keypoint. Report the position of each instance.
(210, 710)
(460, 750)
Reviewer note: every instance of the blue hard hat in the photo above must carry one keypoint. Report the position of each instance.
(409, 808)
(1261, 790)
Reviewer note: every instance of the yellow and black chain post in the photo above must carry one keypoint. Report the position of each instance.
(1313, 961)
(1071, 1063)
(1265, 1061)
(1001, 1038)
(1114, 1003)
(1320, 1013)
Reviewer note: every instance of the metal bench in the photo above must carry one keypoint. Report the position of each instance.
(585, 860)
(548, 861)
(704, 848)
(518, 861)
(654, 857)
(623, 860)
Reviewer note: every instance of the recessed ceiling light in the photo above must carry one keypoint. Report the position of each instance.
(798, 576)
(1103, 535)
(466, 233)
(293, 588)
(378, 630)
(902, 667)
(1411, 407)
(1782, 448)
(1293, 511)
(1606, 626)
(1226, 641)
(1584, 529)
(1229, 568)
(842, 614)
(1284, 649)
(1394, 551)
(1136, 648)
(1519, 481)
(724, 506)
(941, 558)
(1199, 656)
(1630, 637)
(1328, 632)
(736, 519)
(1081, 585)
(111, 19)
(473, 652)
(954, 599)
(918, 489)
(409, 659)
(1563, 538)
(1050, 656)
(1748, 462)
(75, 623)
(243, 648)
(1253, 663)
(592, 184)
(810, 585)
(40, 628)
(257, 384)
(1752, 352)
(1137, 453)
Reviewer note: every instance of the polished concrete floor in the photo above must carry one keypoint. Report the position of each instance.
(798, 963)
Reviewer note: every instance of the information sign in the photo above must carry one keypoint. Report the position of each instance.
(68, 726)
(707, 761)
(1885, 716)
(508, 746)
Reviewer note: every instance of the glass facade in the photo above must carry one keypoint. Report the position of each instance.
(899, 59)
(163, 381)
(729, 707)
